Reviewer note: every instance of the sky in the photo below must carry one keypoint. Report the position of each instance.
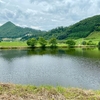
(47, 14)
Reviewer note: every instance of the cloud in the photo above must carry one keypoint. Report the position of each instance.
(2, 2)
(47, 14)
(0, 24)
(36, 27)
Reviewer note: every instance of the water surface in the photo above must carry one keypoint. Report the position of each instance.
(64, 67)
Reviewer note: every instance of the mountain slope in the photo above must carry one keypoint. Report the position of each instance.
(79, 30)
(9, 30)
(94, 35)
(89, 27)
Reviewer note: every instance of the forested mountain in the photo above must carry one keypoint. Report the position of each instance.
(9, 30)
(79, 30)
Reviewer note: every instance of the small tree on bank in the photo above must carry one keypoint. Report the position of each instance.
(31, 42)
(42, 42)
(84, 43)
(53, 42)
(99, 44)
(71, 43)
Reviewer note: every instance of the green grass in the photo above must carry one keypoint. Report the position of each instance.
(13, 44)
(24, 44)
(94, 35)
(79, 41)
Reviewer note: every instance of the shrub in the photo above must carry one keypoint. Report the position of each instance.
(71, 43)
(84, 43)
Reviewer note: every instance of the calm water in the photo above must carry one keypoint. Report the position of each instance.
(64, 67)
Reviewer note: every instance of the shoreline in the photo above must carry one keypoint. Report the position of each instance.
(29, 92)
(27, 47)
(14, 47)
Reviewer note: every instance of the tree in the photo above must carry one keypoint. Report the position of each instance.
(53, 42)
(89, 43)
(70, 43)
(31, 42)
(99, 44)
(84, 43)
(42, 41)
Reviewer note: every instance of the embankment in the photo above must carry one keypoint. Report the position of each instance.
(22, 92)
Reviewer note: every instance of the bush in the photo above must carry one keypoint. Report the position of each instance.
(42, 42)
(31, 42)
(99, 44)
(84, 43)
(90, 43)
(70, 43)
(53, 42)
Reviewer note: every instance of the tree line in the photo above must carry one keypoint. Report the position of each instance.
(42, 41)
(53, 42)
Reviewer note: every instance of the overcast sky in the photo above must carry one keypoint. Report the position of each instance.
(47, 14)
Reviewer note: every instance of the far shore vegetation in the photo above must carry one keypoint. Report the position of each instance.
(52, 42)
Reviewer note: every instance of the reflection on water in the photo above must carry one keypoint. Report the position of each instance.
(65, 67)
(84, 52)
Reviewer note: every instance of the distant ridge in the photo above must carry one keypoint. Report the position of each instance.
(81, 29)
(89, 27)
(9, 23)
(10, 30)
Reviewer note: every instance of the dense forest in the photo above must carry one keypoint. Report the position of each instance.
(81, 29)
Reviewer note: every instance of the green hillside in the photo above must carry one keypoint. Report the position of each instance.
(94, 35)
(81, 29)
(89, 27)
(9, 30)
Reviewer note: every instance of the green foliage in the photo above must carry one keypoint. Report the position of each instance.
(90, 43)
(84, 43)
(42, 41)
(70, 43)
(53, 42)
(99, 44)
(31, 42)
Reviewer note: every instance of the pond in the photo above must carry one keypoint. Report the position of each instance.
(57, 67)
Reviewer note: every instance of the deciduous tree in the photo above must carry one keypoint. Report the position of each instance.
(53, 42)
(42, 41)
(70, 42)
(31, 42)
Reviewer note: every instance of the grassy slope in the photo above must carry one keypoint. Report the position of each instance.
(13, 44)
(94, 35)
(19, 92)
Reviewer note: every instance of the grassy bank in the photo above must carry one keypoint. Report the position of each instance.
(13, 44)
(21, 44)
(19, 92)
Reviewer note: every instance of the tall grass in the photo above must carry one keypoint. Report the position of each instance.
(29, 92)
